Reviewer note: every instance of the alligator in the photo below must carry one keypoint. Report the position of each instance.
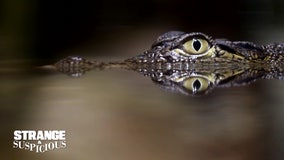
(194, 63)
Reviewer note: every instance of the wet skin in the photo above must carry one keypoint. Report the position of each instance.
(194, 63)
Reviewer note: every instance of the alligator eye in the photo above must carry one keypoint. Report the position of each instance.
(196, 46)
(196, 84)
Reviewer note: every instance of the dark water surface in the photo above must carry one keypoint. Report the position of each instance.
(120, 114)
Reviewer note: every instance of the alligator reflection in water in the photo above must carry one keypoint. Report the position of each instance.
(185, 78)
(193, 63)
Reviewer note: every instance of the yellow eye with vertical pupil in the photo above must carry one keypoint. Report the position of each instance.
(196, 46)
(196, 84)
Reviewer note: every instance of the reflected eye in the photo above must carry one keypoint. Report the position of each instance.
(196, 84)
(196, 46)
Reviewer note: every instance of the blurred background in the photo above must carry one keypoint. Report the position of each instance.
(45, 29)
(119, 114)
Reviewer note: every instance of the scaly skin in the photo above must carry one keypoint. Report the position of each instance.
(194, 63)
(169, 48)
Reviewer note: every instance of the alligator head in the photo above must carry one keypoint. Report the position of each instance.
(194, 63)
(200, 48)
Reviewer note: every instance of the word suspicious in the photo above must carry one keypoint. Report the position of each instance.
(39, 141)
